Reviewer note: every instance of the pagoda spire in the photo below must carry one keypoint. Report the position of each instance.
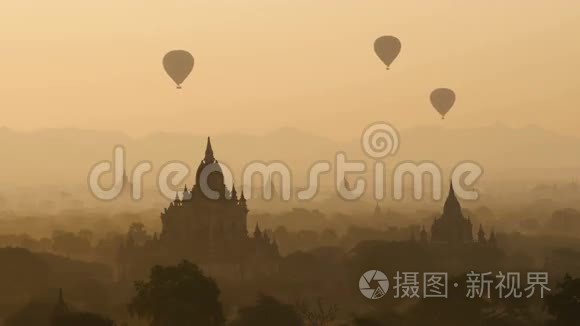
(242, 197)
(273, 188)
(345, 184)
(242, 202)
(377, 210)
(452, 208)
(481, 235)
(186, 194)
(61, 307)
(492, 240)
(125, 178)
(209, 158)
(234, 193)
(257, 231)
(60, 297)
(424, 235)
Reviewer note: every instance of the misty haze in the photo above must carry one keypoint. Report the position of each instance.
(476, 102)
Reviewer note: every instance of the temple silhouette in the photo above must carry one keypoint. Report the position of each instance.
(452, 226)
(207, 225)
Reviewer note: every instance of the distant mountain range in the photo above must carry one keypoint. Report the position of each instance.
(64, 156)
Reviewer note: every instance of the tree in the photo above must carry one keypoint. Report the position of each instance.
(41, 313)
(35, 313)
(178, 296)
(267, 312)
(81, 318)
(69, 243)
(22, 273)
(564, 303)
(91, 293)
(565, 221)
(366, 321)
(456, 309)
(318, 315)
(87, 235)
(138, 233)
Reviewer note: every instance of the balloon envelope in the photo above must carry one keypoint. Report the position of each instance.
(387, 49)
(178, 65)
(442, 100)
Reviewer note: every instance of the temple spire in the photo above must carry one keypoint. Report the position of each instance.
(424, 235)
(125, 178)
(208, 152)
(60, 297)
(492, 240)
(186, 194)
(242, 202)
(61, 307)
(257, 232)
(481, 235)
(345, 184)
(377, 210)
(452, 208)
(234, 193)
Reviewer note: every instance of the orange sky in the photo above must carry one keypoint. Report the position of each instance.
(308, 64)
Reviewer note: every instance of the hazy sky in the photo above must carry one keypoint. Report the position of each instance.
(262, 65)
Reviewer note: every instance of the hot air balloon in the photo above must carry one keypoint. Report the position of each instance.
(442, 100)
(387, 49)
(178, 65)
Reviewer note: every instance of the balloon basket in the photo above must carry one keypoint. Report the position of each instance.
(178, 87)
